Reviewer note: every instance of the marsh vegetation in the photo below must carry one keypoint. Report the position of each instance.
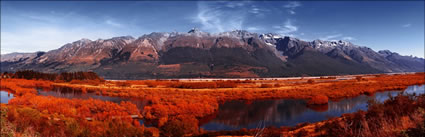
(181, 107)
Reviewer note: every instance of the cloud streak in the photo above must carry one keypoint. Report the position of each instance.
(348, 38)
(226, 16)
(113, 23)
(253, 28)
(331, 37)
(286, 29)
(406, 25)
(337, 37)
(210, 19)
(291, 6)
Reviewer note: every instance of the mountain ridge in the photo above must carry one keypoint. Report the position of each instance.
(236, 53)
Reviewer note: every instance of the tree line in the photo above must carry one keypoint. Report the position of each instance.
(64, 76)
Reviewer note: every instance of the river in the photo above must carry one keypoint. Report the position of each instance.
(234, 115)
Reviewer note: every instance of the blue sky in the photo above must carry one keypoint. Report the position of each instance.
(42, 26)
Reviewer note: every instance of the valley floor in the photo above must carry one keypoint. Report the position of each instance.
(175, 107)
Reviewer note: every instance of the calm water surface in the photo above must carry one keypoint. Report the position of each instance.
(64, 92)
(70, 94)
(5, 96)
(289, 112)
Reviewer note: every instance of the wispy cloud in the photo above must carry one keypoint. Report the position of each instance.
(348, 38)
(50, 17)
(40, 18)
(406, 25)
(331, 37)
(286, 29)
(255, 10)
(234, 4)
(291, 6)
(258, 11)
(208, 17)
(337, 37)
(253, 28)
(113, 23)
(225, 16)
(215, 18)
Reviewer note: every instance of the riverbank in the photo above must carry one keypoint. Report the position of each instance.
(402, 115)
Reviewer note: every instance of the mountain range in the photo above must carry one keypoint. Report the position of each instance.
(195, 54)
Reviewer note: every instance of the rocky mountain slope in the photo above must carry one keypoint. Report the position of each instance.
(199, 54)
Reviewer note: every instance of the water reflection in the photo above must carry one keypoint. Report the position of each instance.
(70, 93)
(5, 97)
(289, 112)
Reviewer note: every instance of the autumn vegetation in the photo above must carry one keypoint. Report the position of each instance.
(175, 106)
(318, 100)
(23, 86)
(400, 116)
(64, 76)
(50, 116)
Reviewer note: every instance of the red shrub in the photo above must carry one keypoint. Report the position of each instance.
(194, 85)
(310, 81)
(266, 86)
(226, 84)
(318, 100)
(123, 84)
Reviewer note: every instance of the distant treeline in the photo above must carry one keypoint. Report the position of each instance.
(64, 76)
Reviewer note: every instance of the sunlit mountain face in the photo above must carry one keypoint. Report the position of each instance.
(200, 54)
